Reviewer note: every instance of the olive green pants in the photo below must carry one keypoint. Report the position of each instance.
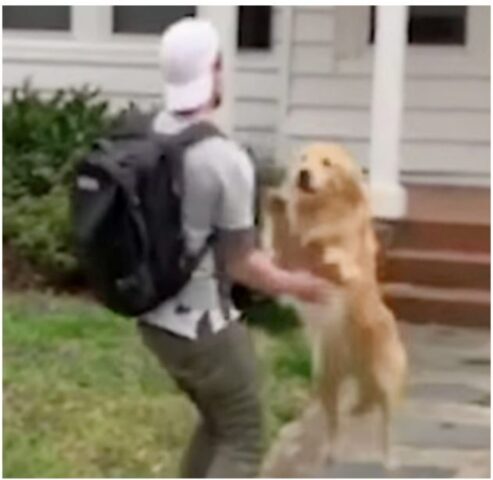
(218, 373)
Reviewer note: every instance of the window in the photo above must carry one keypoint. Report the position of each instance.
(254, 23)
(130, 19)
(254, 27)
(434, 25)
(36, 18)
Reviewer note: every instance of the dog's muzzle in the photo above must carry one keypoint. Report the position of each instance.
(304, 181)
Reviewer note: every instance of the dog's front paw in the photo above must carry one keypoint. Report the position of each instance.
(275, 201)
(348, 271)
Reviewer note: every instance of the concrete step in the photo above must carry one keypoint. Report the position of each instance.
(428, 304)
(441, 268)
(438, 235)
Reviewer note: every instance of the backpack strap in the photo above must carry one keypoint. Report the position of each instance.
(132, 124)
(180, 142)
(189, 136)
(197, 132)
(186, 139)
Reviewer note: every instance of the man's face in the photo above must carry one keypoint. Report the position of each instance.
(218, 83)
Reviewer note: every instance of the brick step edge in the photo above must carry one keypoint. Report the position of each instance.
(431, 235)
(442, 268)
(448, 306)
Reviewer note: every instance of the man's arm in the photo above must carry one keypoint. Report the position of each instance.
(256, 270)
(234, 221)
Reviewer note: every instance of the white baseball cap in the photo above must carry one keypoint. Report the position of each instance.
(189, 49)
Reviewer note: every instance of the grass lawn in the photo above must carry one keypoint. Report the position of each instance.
(83, 397)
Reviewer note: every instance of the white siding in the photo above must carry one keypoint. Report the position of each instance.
(112, 79)
(119, 83)
(257, 94)
(256, 115)
(427, 93)
(446, 134)
(420, 125)
(326, 93)
(310, 26)
(126, 70)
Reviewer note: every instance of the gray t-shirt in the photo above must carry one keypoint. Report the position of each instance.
(219, 197)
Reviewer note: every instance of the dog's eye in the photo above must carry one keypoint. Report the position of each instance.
(327, 162)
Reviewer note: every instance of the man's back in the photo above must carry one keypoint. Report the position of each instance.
(218, 181)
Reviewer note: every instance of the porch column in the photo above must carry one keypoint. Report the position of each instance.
(92, 23)
(225, 19)
(388, 195)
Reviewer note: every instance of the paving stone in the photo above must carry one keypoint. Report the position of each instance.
(448, 392)
(452, 339)
(442, 430)
(440, 335)
(477, 361)
(426, 434)
(376, 470)
(471, 414)
(474, 379)
(477, 467)
(484, 401)
(448, 359)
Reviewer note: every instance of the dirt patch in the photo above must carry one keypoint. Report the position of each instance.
(18, 273)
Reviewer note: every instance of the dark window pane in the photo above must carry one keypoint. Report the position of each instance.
(254, 27)
(437, 25)
(373, 24)
(148, 19)
(434, 25)
(37, 18)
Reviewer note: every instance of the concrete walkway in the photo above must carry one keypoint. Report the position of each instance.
(442, 430)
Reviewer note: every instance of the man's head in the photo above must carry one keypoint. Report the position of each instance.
(191, 65)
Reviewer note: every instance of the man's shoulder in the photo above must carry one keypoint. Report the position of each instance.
(220, 145)
(219, 153)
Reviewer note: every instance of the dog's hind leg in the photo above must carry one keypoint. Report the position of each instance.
(390, 384)
(388, 458)
(329, 395)
(366, 397)
(389, 371)
(332, 416)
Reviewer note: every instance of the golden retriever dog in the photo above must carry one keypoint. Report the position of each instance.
(320, 221)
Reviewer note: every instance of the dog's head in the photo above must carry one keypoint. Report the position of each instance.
(323, 170)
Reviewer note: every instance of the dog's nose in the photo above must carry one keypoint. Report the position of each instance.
(304, 179)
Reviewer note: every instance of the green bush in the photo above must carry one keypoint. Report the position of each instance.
(44, 136)
(43, 139)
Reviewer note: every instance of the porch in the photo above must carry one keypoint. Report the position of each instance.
(436, 260)
(467, 205)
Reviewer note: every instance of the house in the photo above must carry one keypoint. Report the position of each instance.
(406, 89)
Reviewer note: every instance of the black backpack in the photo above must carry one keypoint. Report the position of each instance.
(126, 210)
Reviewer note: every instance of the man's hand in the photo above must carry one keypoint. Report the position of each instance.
(309, 288)
(256, 270)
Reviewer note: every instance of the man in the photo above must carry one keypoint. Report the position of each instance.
(197, 335)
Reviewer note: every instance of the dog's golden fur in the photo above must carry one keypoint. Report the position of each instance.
(321, 221)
